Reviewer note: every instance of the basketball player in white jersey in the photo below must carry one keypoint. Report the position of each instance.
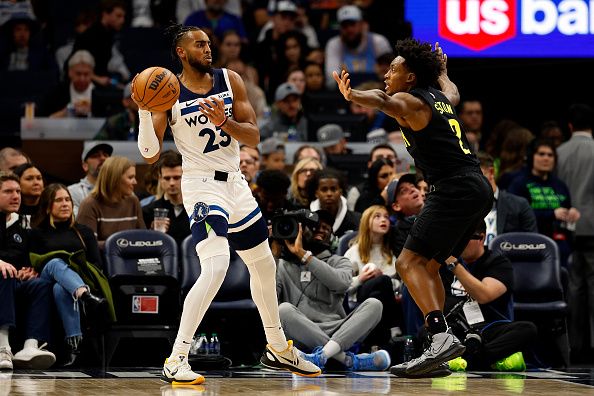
(209, 121)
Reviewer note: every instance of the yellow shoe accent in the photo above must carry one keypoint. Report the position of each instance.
(197, 381)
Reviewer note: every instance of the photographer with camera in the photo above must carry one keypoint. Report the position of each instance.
(479, 308)
(311, 284)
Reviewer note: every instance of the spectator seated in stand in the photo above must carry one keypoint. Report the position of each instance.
(93, 158)
(288, 121)
(177, 223)
(11, 158)
(374, 272)
(112, 205)
(312, 314)
(20, 290)
(56, 241)
(380, 173)
(271, 192)
(72, 97)
(273, 154)
(325, 190)
(302, 172)
(548, 196)
(123, 125)
(19, 51)
(32, 184)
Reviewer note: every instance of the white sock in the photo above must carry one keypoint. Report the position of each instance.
(198, 300)
(4, 337)
(31, 343)
(331, 349)
(263, 287)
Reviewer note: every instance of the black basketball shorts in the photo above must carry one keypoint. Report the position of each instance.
(450, 216)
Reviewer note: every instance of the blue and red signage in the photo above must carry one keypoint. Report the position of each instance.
(506, 28)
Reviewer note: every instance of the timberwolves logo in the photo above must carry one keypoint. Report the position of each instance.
(200, 212)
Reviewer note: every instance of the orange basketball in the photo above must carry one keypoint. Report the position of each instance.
(156, 88)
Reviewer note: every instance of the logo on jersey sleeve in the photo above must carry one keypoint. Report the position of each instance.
(201, 211)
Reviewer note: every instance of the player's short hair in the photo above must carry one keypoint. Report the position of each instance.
(421, 60)
(580, 116)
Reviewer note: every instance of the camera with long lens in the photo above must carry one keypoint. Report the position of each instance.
(285, 225)
(470, 335)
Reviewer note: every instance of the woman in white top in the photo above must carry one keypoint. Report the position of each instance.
(374, 271)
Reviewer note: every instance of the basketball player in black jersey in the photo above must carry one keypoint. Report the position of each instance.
(460, 196)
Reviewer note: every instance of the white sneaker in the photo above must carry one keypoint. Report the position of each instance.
(5, 359)
(178, 372)
(290, 359)
(34, 358)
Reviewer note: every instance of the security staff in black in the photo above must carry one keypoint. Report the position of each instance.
(461, 195)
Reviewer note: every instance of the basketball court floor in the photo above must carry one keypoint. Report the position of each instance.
(145, 381)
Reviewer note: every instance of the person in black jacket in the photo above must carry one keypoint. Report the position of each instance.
(177, 223)
(54, 229)
(20, 289)
(510, 212)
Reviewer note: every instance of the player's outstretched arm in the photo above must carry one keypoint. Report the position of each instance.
(151, 130)
(394, 106)
(449, 89)
(243, 127)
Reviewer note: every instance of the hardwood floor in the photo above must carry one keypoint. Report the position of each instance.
(251, 382)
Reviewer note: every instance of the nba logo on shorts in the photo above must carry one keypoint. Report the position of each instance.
(200, 212)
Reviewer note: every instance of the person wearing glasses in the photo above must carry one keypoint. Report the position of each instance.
(303, 171)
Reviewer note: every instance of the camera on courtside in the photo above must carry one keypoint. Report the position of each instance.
(285, 225)
(470, 335)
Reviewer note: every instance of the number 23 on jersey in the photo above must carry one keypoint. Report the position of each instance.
(210, 145)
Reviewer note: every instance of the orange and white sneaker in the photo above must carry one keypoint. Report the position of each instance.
(178, 372)
(290, 360)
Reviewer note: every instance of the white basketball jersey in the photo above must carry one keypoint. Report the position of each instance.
(203, 146)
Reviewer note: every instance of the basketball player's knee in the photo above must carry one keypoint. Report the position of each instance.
(259, 253)
(402, 265)
(213, 245)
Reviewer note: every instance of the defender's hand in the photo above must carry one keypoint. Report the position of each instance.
(443, 58)
(344, 84)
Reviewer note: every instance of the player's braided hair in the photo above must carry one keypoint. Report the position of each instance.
(420, 59)
(176, 32)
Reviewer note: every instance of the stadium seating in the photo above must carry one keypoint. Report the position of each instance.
(538, 292)
(142, 267)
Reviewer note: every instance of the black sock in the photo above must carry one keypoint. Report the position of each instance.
(436, 322)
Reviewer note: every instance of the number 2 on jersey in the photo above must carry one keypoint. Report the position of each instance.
(458, 131)
(210, 144)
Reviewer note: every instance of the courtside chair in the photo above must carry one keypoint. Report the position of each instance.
(538, 292)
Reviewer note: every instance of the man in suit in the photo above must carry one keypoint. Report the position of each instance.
(576, 168)
(510, 213)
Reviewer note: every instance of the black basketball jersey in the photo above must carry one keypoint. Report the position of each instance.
(441, 148)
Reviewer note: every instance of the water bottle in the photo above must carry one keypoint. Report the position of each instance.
(409, 349)
(194, 346)
(202, 344)
(215, 345)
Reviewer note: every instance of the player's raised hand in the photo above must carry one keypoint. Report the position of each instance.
(443, 58)
(344, 83)
(214, 109)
